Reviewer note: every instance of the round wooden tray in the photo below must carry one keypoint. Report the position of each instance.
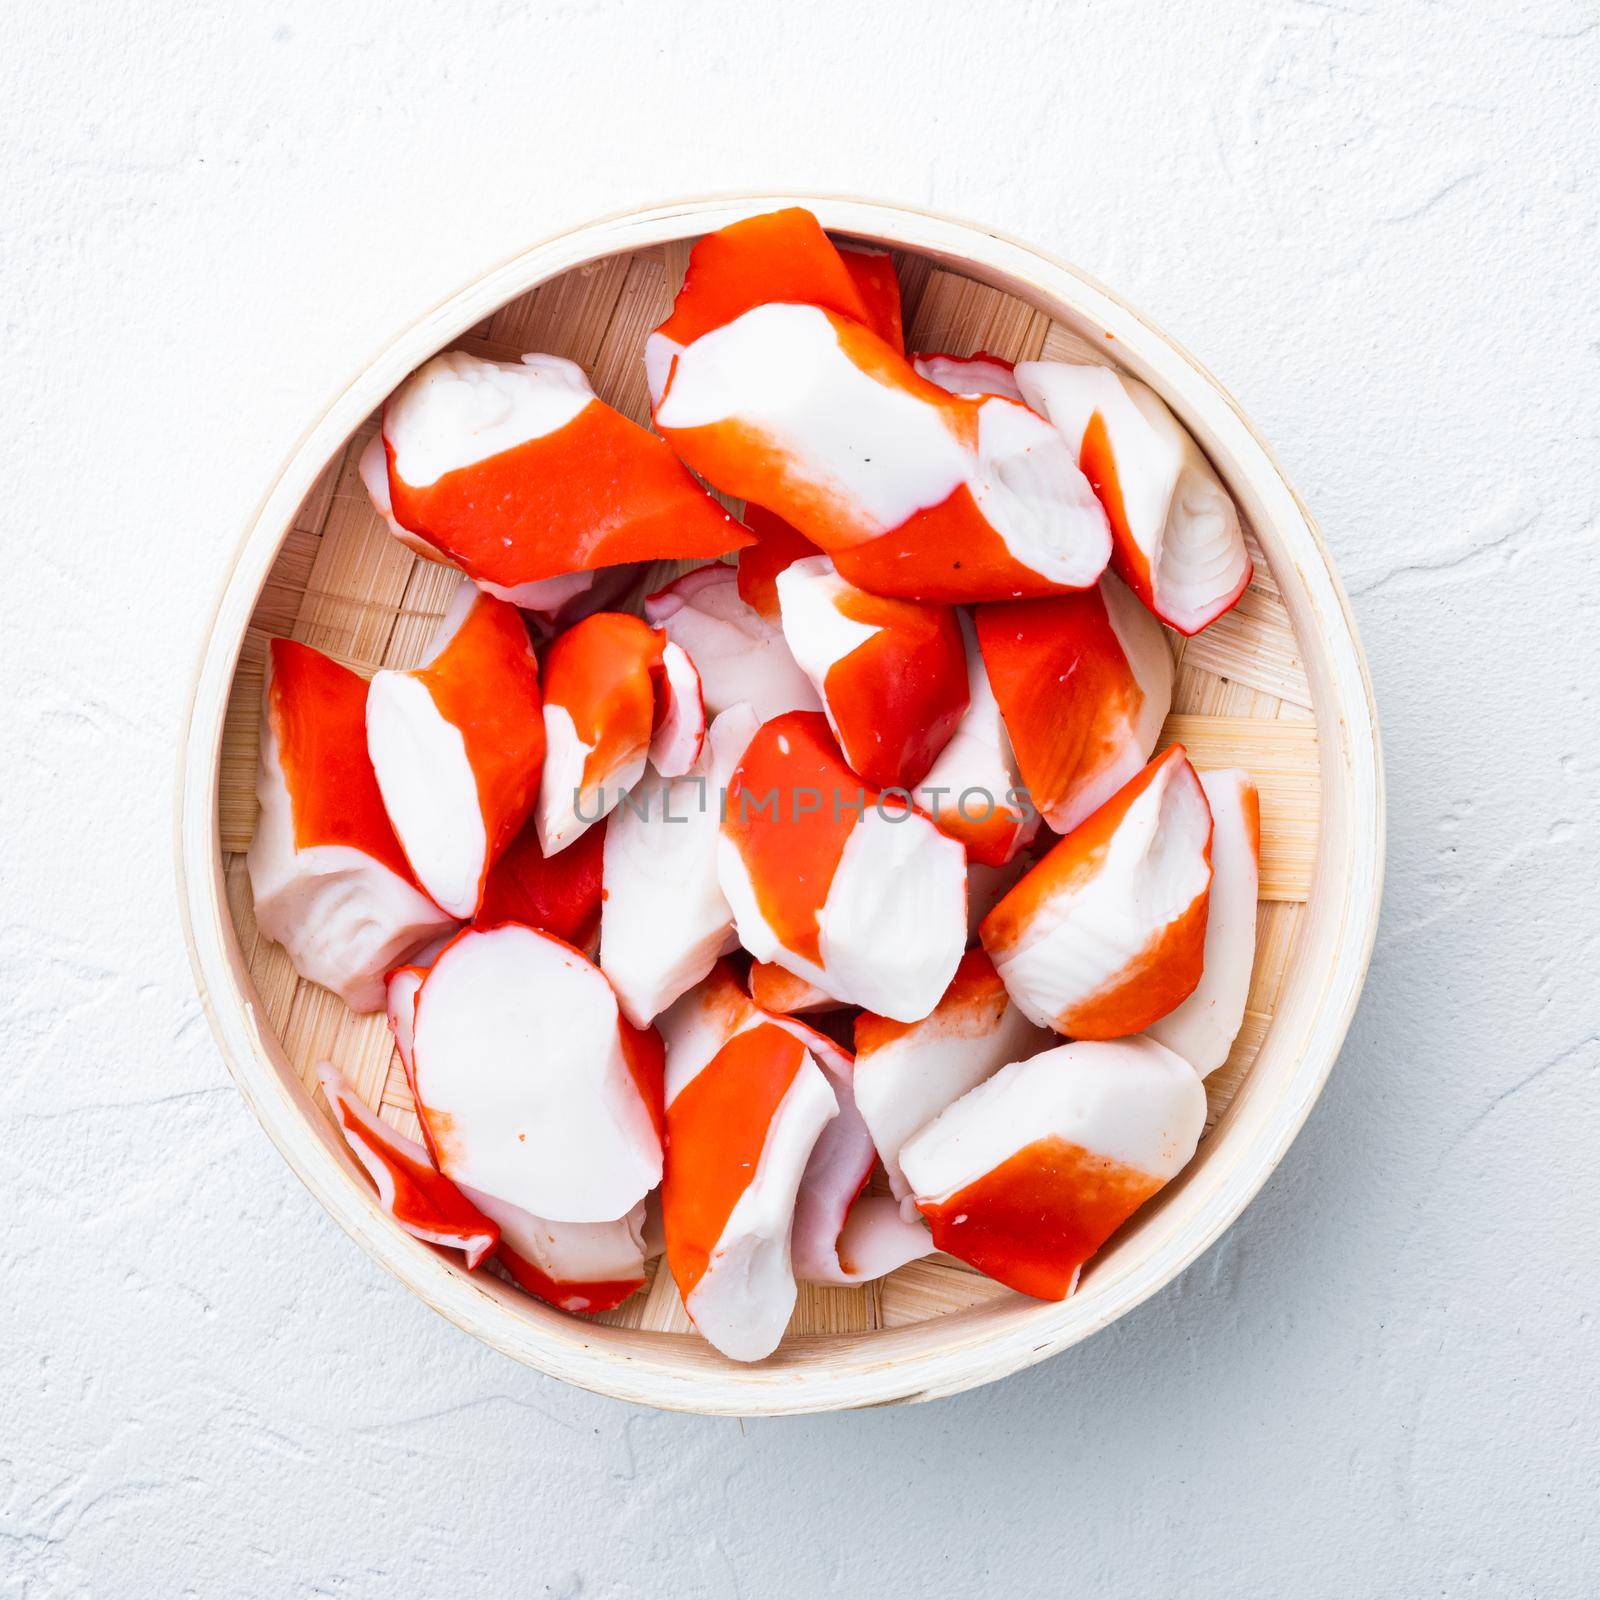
(1277, 686)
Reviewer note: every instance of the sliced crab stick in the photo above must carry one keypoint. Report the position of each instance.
(1083, 682)
(557, 894)
(892, 674)
(1177, 540)
(914, 491)
(1203, 1028)
(907, 1073)
(842, 1235)
(974, 791)
(1026, 1176)
(458, 748)
(739, 653)
(778, 256)
(532, 1085)
(852, 891)
(428, 1206)
(873, 273)
(665, 919)
(746, 1104)
(1107, 932)
(517, 472)
(978, 374)
(778, 991)
(612, 699)
(586, 1267)
(777, 547)
(330, 881)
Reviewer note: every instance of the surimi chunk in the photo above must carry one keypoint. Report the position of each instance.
(1083, 682)
(518, 473)
(330, 881)
(1107, 933)
(846, 888)
(915, 492)
(665, 919)
(892, 674)
(739, 653)
(532, 1085)
(557, 894)
(976, 374)
(1177, 541)
(1026, 1176)
(1203, 1028)
(907, 1073)
(458, 748)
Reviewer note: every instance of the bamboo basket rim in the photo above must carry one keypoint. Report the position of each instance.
(887, 1366)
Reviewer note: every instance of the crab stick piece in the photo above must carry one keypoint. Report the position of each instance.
(892, 674)
(557, 894)
(907, 1073)
(458, 748)
(1107, 933)
(841, 1234)
(778, 256)
(612, 696)
(915, 492)
(584, 1267)
(532, 1085)
(518, 473)
(780, 992)
(665, 919)
(977, 374)
(429, 1207)
(1083, 682)
(851, 890)
(777, 547)
(1026, 1176)
(872, 272)
(330, 881)
(974, 791)
(746, 1105)
(1177, 542)
(1203, 1028)
(739, 652)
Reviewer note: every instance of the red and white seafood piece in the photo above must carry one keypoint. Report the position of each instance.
(976, 374)
(778, 256)
(779, 991)
(1203, 1028)
(842, 1235)
(1177, 540)
(740, 654)
(873, 273)
(458, 747)
(517, 472)
(429, 1207)
(611, 699)
(586, 1267)
(1026, 1176)
(665, 919)
(746, 1104)
(1083, 682)
(846, 888)
(557, 894)
(777, 548)
(532, 1085)
(892, 674)
(330, 881)
(907, 1073)
(914, 492)
(974, 791)
(1107, 932)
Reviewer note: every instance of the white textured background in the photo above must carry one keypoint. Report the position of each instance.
(1378, 222)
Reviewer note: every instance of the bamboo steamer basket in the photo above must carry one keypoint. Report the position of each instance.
(1278, 685)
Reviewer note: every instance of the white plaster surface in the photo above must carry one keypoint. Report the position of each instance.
(1378, 222)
